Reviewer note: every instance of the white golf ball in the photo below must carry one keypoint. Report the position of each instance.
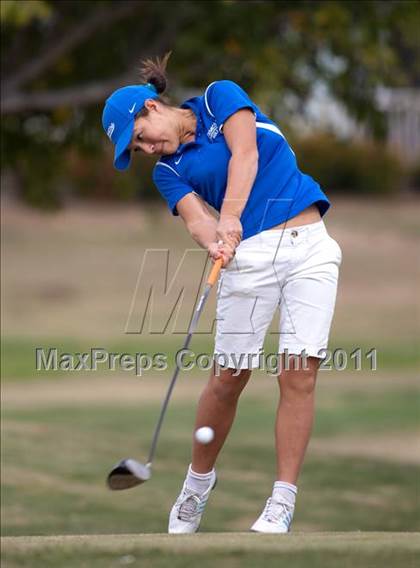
(204, 435)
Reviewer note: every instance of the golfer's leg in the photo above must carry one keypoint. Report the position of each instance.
(245, 307)
(217, 408)
(295, 416)
(293, 429)
(308, 301)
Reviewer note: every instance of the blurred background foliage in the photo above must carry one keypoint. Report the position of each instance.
(61, 59)
(357, 167)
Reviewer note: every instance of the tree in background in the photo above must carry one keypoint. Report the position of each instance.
(61, 59)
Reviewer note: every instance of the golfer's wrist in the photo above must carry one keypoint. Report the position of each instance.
(203, 231)
(230, 210)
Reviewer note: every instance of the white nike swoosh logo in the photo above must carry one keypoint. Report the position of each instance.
(131, 110)
(177, 162)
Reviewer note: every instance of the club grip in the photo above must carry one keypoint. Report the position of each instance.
(214, 273)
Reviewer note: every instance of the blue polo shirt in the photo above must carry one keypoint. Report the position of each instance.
(280, 190)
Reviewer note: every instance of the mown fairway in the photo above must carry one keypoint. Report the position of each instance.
(361, 474)
(69, 282)
(217, 549)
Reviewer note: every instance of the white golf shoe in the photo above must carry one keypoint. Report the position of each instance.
(276, 517)
(188, 509)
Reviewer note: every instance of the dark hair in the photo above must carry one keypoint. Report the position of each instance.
(154, 71)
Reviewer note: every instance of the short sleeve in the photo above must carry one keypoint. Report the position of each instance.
(224, 98)
(170, 185)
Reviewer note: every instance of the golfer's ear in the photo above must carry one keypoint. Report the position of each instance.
(150, 104)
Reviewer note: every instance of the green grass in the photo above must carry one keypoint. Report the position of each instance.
(232, 550)
(56, 458)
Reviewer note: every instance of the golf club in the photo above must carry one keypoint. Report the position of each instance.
(129, 472)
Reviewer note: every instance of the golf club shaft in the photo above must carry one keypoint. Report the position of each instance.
(214, 273)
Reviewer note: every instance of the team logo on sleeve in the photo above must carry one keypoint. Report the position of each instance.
(213, 131)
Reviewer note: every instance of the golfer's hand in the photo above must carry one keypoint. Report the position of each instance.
(221, 250)
(229, 230)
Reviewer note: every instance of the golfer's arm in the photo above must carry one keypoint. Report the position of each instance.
(241, 137)
(200, 223)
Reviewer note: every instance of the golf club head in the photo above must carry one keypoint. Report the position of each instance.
(128, 473)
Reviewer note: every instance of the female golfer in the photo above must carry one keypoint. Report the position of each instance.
(220, 149)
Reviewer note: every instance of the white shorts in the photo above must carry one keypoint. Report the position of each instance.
(293, 269)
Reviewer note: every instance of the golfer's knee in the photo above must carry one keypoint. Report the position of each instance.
(229, 384)
(298, 383)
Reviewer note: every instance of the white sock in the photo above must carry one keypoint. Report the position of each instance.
(283, 491)
(199, 482)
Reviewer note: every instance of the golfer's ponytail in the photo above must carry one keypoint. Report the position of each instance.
(154, 72)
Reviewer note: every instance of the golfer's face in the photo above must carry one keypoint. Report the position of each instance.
(154, 134)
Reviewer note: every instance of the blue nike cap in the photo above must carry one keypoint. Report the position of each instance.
(118, 118)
